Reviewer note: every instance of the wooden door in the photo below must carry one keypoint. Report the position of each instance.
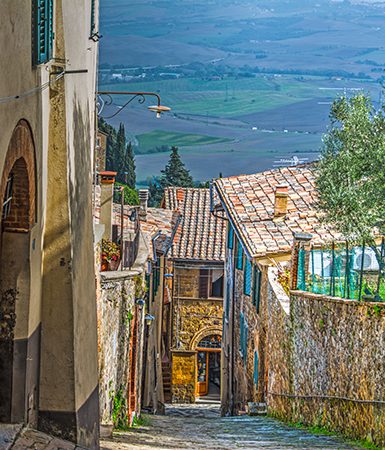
(202, 387)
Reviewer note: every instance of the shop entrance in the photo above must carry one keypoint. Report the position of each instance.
(209, 367)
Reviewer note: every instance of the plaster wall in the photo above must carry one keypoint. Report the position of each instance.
(19, 77)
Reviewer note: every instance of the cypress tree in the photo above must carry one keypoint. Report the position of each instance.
(128, 169)
(175, 172)
(120, 152)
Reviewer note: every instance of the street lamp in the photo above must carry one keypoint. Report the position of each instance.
(140, 96)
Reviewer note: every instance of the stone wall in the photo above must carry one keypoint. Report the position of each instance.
(183, 377)
(116, 309)
(327, 363)
(193, 320)
(245, 388)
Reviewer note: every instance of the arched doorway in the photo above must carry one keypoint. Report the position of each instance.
(17, 196)
(209, 367)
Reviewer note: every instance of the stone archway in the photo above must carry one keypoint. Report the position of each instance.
(18, 199)
(202, 334)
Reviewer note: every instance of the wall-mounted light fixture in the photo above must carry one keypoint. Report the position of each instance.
(140, 96)
(149, 319)
(140, 303)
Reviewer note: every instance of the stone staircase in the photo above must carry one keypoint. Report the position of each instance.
(166, 372)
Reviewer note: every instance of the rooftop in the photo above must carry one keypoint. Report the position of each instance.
(201, 235)
(162, 221)
(249, 201)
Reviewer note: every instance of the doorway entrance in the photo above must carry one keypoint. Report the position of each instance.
(17, 200)
(209, 367)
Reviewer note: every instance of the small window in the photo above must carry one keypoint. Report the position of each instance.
(239, 264)
(42, 31)
(257, 287)
(211, 283)
(247, 277)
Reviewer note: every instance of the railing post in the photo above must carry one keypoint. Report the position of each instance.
(300, 241)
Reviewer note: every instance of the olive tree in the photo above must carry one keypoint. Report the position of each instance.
(351, 170)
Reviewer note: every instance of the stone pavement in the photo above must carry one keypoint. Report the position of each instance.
(30, 439)
(201, 427)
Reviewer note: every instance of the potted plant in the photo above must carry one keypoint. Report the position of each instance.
(110, 255)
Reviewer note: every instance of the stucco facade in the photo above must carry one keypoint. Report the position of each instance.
(47, 140)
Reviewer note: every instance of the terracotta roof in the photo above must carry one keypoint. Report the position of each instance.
(161, 221)
(201, 235)
(249, 200)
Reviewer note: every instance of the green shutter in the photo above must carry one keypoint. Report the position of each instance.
(257, 288)
(256, 368)
(42, 30)
(239, 256)
(244, 331)
(230, 238)
(247, 277)
(92, 17)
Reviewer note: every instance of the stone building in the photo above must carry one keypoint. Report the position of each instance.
(130, 305)
(192, 330)
(265, 212)
(48, 357)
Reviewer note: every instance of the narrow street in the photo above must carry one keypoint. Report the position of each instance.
(201, 427)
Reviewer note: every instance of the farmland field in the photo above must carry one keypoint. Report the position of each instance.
(248, 82)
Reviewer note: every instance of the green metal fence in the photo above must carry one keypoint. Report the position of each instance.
(343, 270)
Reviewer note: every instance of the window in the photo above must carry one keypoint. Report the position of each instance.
(244, 331)
(257, 287)
(211, 283)
(42, 30)
(239, 262)
(230, 238)
(247, 277)
(256, 368)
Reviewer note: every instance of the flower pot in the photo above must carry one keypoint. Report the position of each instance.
(113, 265)
(104, 266)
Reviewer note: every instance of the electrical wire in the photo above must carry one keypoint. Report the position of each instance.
(31, 91)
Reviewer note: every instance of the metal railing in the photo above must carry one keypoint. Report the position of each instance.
(343, 270)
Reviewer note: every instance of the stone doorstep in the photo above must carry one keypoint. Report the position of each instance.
(35, 440)
(8, 434)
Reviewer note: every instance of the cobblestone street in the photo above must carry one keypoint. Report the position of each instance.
(201, 427)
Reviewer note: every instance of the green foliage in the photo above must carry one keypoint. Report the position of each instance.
(351, 179)
(130, 195)
(119, 410)
(174, 174)
(120, 156)
(141, 421)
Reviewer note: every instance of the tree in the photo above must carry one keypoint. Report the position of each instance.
(350, 174)
(175, 172)
(120, 153)
(129, 167)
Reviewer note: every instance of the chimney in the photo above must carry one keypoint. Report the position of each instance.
(143, 201)
(107, 182)
(281, 198)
